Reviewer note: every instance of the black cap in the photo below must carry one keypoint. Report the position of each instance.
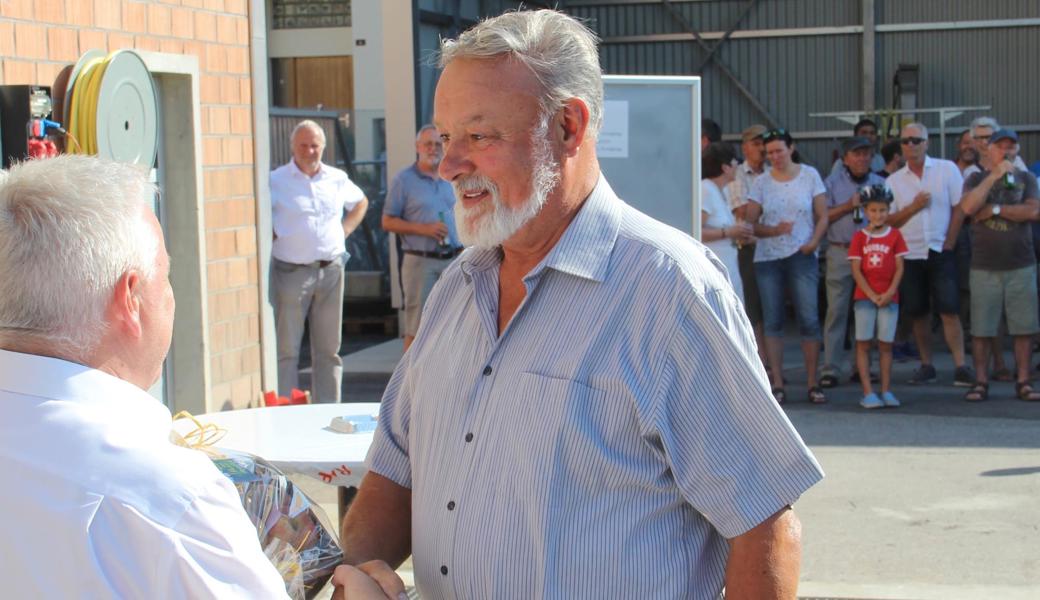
(855, 143)
(1003, 134)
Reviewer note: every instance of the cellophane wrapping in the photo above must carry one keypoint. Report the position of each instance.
(293, 530)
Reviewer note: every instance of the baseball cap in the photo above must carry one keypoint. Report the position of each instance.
(1003, 134)
(855, 143)
(752, 132)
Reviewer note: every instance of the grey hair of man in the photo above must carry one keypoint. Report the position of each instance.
(424, 129)
(559, 50)
(308, 124)
(70, 228)
(989, 122)
(918, 126)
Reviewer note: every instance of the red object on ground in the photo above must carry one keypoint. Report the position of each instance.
(299, 397)
(273, 399)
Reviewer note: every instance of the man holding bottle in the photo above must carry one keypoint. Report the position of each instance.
(845, 214)
(420, 208)
(1002, 201)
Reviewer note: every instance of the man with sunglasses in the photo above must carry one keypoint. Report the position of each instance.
(926, 191)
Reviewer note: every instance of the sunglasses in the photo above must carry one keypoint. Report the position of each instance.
(912, 141)
(773, 134)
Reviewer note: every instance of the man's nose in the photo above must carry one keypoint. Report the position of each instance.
(454, 162)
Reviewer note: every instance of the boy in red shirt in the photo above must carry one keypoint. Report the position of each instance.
(877, 254)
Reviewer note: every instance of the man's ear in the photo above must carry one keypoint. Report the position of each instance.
(126, 304)
(574, 123)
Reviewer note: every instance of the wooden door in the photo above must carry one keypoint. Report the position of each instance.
(308, 82)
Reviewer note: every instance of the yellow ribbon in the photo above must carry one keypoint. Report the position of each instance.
(203, 436)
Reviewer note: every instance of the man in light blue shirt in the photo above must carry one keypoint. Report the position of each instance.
(582, 414)
(420, 209)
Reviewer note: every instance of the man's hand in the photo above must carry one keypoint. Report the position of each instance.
(783, 228)
(856, 200)
(921, 200)
(808, 248)
(742, 232)
(1002, 168)
(374, 580)
(436, 230)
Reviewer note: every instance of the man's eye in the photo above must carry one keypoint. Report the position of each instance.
(476, 137)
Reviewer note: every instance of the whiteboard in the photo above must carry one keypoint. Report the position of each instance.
(649, 148)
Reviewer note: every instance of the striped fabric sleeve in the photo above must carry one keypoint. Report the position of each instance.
(733, 453)
(388, 454)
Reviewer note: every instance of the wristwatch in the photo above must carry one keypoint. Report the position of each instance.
(996, 210)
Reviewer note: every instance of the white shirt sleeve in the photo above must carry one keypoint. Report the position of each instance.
(213, 552)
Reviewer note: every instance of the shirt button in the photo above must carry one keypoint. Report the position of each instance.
(469, 437)
(444, 570)
(451, 505)
(487, 370)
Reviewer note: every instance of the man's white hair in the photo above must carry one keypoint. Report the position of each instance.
(919, 126)
(559, 50)
(984, 122)
(308, 124)
(70, 227)
(424, 129)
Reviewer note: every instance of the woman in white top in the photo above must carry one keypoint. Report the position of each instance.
(719, 228)
(790, 198)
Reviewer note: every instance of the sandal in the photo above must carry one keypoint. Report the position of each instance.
(1002, 374)
(1025, 391)
(828, 381)
(780, 395)
(816, 395)
(978, 392)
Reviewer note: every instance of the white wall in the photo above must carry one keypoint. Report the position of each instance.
(325, 41)
(369, 94)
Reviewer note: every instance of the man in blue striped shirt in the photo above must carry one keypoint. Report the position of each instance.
(582, 414)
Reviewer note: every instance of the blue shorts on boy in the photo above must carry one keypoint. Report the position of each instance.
(871, 318)
(876, 254)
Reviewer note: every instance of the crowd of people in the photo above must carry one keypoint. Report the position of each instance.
(905, 239)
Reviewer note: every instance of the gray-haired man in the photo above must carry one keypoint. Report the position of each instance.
(420, 207)
(582, 414)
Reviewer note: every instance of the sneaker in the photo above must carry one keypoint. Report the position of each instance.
(963, 376)
(890, 400)
(923, 374)
(871, 401)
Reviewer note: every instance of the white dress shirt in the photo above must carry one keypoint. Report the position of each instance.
(927, 229)
(98, 503)
(307, 213)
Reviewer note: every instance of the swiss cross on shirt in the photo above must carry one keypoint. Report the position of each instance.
(875, 259)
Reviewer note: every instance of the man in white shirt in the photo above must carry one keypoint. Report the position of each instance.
(926, 192)
(98, 503)
(314, 209)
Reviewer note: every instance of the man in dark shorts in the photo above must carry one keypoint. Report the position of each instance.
(926, 192)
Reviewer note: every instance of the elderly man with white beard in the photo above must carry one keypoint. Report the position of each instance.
(583, 413)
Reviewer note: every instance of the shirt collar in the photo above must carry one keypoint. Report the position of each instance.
(584, 249)
(295, 170)
(928, 162)
(419, 172)
(57, 379)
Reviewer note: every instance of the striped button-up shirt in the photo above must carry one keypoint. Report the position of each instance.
(608, 442)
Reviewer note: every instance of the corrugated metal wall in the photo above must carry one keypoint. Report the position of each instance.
(795, 75)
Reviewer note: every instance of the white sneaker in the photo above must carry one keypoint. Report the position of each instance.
(890, 400)
(871, 401)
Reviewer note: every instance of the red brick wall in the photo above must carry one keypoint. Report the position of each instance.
(39, 37)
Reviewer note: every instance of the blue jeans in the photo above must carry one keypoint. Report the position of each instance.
(798, 273)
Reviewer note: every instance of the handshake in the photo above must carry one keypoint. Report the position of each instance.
(373, 580)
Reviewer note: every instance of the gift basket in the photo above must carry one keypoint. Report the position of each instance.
(294, 532)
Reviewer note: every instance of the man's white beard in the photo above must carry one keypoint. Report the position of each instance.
(487, 227)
